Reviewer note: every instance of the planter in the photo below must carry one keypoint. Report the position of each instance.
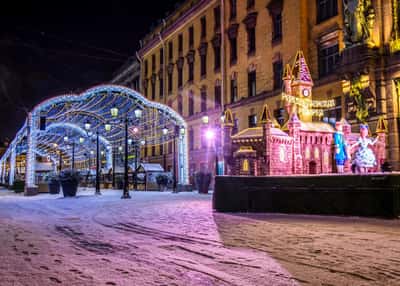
(69, 182)
(18, 186)
(69, 188)
(203, 181)
(54, 188)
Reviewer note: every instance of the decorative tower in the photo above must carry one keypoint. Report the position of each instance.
(287, 87)
(228, 126)
(294, 126)
(302, 87)
(267, 124)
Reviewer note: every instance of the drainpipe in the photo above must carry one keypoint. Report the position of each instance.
(164, 63)
(223, 80)
(140, 73)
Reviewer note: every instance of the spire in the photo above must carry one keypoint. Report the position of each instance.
(381, 127)
(300, 71)
(287, 73)
(228, 121)
(267, 117)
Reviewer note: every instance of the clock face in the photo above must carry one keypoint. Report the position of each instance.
(306, 92)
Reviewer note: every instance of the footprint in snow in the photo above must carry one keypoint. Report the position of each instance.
(55, 280)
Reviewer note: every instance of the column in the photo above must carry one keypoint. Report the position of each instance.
(3, 175)
(13, 157)
(30, 187)
(183, 164)
(109, 158)
(1, 172)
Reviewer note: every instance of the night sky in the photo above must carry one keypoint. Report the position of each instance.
(50, 49)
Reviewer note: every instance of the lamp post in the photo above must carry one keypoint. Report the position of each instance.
(90, 134)
(97, 165)
(126, 194)
(73, 156)
(113, 167)
(176, 134)
(60, 161)
(114, 113)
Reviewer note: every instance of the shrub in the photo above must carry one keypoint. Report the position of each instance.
(69, 176)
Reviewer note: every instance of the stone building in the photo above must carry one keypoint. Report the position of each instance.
(213, 55)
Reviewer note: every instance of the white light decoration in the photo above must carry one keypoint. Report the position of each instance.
(66, 138)
(165, 130)
(138, 113)
(107, 126)
(114, 112)
(81, 140)
(120, 148)
(182, 131)
(142, 142)
(210, 134)
(222, 117)
(102, 153)
(91, 152)
(135, 130)
(87, 125)
(55, 145)
(129, 141)
(205, 119)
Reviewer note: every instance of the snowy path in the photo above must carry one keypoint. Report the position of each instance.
(153, 239)
(175, 239)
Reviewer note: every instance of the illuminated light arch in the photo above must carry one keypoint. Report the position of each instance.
(70, 110)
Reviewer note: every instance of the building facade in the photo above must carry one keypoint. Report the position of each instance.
(211, 55)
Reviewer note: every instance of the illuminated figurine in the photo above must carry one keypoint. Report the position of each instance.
(340, 147)
(364, 157)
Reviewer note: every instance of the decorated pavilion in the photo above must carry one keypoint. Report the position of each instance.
(78, 131)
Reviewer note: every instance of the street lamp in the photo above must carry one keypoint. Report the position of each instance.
(87, 125)
(138, 114)
(114, 112)
(90, 135)
(107, 126)
(97, 192)
(165, 130)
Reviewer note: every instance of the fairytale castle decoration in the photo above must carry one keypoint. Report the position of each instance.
(301, 145)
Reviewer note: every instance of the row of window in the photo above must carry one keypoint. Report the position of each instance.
(325, 8)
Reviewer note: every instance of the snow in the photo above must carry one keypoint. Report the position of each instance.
(176, 239)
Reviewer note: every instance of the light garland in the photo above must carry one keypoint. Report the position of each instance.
(308, 103)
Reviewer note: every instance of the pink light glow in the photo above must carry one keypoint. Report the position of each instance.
(210, 134)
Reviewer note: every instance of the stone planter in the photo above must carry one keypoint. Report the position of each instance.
(54, 188)
(203, 181)
(69, 187)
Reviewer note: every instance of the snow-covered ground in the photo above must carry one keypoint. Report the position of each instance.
(176, 239)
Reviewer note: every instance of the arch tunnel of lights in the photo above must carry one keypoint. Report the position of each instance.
(76, 119)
